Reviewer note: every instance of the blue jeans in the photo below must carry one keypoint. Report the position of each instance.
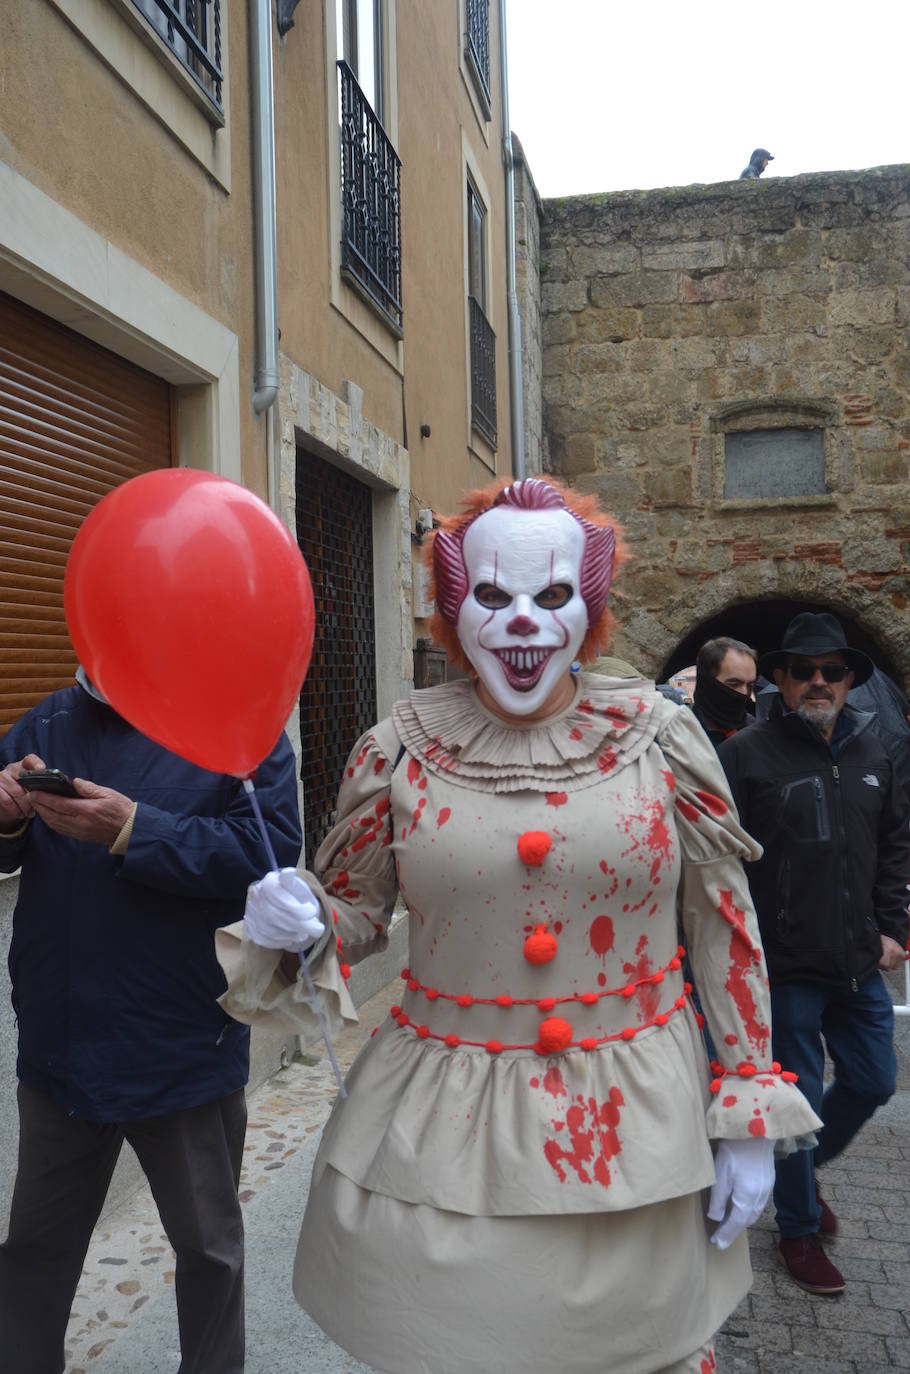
(858, 1029)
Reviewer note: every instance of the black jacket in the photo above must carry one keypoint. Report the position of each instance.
(836, 836)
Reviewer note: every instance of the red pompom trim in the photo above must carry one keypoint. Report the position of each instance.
(749, 1071)
(533, 847)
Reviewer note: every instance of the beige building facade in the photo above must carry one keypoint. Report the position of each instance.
(271, 241)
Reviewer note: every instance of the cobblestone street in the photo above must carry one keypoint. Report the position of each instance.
(124, 1320)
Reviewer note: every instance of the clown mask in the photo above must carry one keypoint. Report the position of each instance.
(523, 619)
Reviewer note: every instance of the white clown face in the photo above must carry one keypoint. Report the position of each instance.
(523, 620)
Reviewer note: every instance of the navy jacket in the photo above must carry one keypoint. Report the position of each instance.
(112, 960)
(834, 828)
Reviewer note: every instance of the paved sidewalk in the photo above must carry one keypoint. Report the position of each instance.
(124, 1318)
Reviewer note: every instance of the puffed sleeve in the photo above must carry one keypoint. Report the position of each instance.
(750, 1094)
(354, 880)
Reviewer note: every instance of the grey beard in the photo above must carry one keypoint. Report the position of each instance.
(820, 713)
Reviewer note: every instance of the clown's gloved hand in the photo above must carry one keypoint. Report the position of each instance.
(282, 913)
(744, 1172)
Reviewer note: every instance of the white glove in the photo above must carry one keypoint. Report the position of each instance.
(744, 1171)
(282, 913)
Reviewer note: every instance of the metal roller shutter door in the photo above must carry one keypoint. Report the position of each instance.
(75, 422)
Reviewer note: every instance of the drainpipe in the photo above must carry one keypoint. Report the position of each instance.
(265, 231)
(516, 394)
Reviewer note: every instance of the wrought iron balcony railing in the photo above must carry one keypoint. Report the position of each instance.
(192, 31)
(370, 201)
(483, 373)
(477, 45)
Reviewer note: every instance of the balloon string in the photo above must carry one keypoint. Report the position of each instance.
(315, 1000)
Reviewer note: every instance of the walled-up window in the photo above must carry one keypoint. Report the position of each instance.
(764, 463)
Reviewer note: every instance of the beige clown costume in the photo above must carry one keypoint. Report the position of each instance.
(516, 1180)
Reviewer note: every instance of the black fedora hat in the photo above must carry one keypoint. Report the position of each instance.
(812, 634)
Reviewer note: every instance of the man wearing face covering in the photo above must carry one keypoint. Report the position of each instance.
(725, 678)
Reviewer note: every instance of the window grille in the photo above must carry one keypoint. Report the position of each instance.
(477, 46)
(192, 31)
(483, 373)
(338, 701)
(370, 201)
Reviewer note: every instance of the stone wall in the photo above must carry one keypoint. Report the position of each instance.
(527, 281)
(674, 318)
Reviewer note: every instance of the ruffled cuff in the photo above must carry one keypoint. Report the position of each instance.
(260, 993)
(766, 1103)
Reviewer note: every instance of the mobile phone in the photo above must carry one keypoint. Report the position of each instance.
(46, 780)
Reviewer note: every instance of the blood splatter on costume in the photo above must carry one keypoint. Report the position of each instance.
(516, 1178)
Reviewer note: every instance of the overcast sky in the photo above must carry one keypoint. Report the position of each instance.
(607, 95)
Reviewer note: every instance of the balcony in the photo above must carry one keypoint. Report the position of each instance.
(370, 203)
(477, 48)
(192, 31)
(483, 373)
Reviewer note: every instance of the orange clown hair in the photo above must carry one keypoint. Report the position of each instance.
(476, 503)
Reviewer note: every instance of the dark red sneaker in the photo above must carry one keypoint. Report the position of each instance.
(827, 1222)
(809, 1266)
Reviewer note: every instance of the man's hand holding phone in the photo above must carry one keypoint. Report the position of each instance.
(16, 805)
(88, 812)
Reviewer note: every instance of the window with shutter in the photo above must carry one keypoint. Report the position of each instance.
(75, 422)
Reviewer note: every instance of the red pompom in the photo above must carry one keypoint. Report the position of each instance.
(395, 1011)
(423, 1032)
(541, 946)
(345, 971)
(430, 994)
(629, 1033)
(589, 1044)
(453, 1041)
(555, 1035)
(503, 1000)
(493, 1047)
(589, 999)
(546, 1004)
(533, 847)
(465, 1000)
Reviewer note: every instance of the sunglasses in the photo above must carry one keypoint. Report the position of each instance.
(831, 672)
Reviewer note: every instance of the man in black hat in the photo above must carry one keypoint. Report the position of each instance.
(757, 164)
(815, 787)
(725, 672)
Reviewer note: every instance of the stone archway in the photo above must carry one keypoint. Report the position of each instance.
(761, 623)
(651, 632)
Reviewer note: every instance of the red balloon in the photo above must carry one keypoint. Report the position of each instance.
(190, 607)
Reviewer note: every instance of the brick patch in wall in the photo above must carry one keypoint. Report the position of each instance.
(820, 553)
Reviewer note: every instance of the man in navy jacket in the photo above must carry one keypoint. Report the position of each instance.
(115, 987)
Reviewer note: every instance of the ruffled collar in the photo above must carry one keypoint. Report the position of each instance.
(609, 722)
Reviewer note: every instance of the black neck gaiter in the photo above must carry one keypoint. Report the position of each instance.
(719, 703)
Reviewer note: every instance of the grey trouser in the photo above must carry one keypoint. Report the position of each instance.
(191, 1159)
